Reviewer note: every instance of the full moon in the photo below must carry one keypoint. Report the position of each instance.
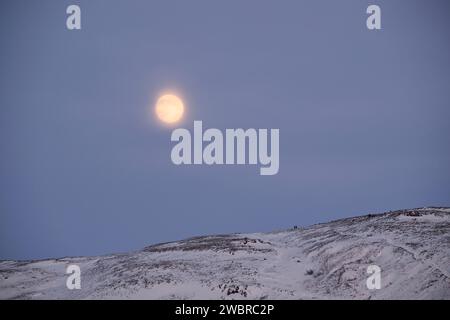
(169, 108)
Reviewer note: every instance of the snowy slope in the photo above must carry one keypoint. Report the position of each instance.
(412, 248)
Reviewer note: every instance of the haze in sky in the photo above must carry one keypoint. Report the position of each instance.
(85, 168)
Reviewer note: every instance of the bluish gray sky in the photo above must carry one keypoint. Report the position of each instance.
(84, 169)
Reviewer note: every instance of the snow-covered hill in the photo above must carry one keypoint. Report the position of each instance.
(330, 260)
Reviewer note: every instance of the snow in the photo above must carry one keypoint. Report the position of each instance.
(324, 261)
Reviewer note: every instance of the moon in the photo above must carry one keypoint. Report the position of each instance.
(169, 108)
